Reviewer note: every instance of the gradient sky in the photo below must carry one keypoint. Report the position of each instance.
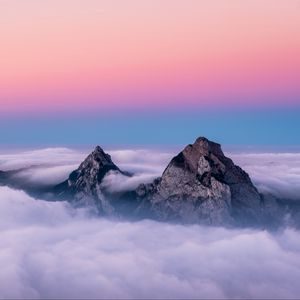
(159, 64)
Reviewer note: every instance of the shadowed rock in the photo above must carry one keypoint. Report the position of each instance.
(83, 187)
(201, 185)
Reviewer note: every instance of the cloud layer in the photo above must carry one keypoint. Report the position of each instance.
(276, 173)
(53, 165)
(42, 167)
(50, 250)
(49, 156)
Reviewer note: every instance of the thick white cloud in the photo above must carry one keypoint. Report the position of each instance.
(50, 250)
(277, 173)
(144, 166)
(45, 175)
(46, 157)
(42, 167)
(142, 160)
(116, 182)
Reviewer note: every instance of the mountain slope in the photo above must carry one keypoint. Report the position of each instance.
(83, 187)
(201, 185)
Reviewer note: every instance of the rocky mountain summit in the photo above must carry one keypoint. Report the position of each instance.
(83, 187)
(199, 185)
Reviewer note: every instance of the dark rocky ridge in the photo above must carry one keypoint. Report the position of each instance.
(83, 187)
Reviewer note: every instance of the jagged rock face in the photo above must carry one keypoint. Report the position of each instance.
(92, 170)
(83, 186)
(201, 185)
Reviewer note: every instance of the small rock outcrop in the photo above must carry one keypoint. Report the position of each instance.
(2, 177)
(202, 185)
(83, 187)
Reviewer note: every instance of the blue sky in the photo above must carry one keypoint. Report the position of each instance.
(234, 127)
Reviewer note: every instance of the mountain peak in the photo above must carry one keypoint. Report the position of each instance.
(204, 146)
(99, 155)
(98, 149)
(192, 156)
(97, 164)
(201, 184)
(84, 184)
(97, 160)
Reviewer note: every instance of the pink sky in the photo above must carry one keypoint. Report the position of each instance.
(64, 54)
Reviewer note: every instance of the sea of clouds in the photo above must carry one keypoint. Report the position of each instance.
(276, 173)
(51, 250)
